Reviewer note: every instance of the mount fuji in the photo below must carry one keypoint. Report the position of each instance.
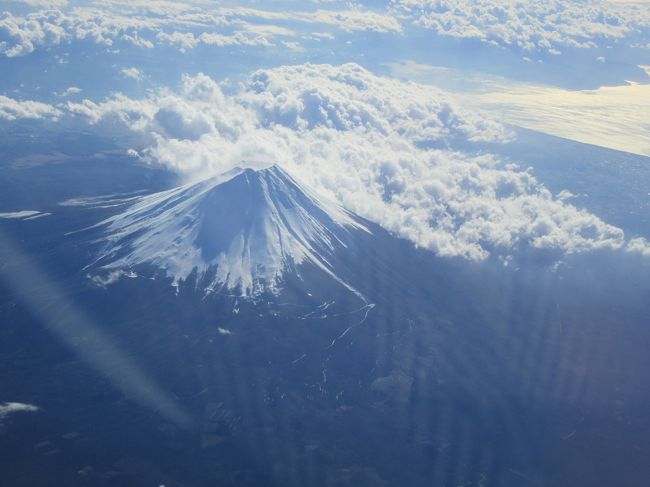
(463, 371)
(241, 231)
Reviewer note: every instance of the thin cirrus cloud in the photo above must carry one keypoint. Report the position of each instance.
(23, 215)
(366, 141)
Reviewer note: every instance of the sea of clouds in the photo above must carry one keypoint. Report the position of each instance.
(378, 146)
(529, 26)
(532, 26)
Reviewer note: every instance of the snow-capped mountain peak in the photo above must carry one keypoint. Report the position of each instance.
(241, 230)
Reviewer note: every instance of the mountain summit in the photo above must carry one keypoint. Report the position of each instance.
(242, 231)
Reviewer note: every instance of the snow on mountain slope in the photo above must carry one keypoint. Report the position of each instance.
(241, 230)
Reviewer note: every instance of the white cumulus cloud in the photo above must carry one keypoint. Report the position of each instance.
(639, 245)
(529, 25)
(361, 139)
(11, 109)
(133, 73)
(183, 25)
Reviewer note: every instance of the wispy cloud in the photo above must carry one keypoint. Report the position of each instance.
(23, 214)
(14, 407)
(8, 408)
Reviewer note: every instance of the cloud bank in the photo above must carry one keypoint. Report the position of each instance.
(181, 25)
(529, 25)
(363, 140)
(380, 147)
